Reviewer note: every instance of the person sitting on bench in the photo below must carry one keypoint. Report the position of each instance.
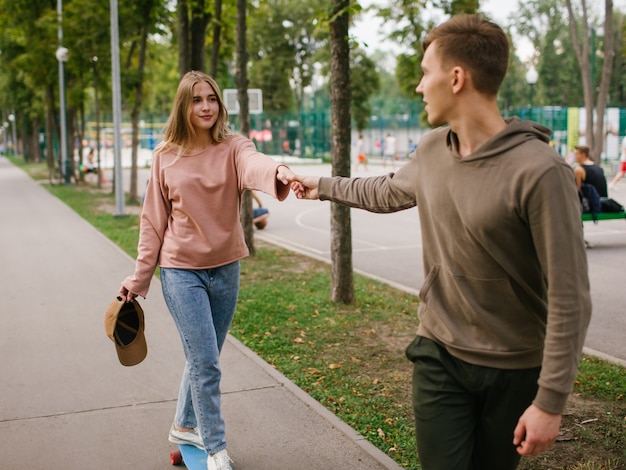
(587, 171)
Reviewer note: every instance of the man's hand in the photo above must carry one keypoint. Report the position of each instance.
(536, 430)
(305, 187)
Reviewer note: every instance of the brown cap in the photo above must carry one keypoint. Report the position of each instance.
(124, 324)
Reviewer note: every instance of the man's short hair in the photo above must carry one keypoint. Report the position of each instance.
(476, 44)
(582, 149)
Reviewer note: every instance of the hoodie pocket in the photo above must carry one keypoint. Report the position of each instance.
(478, 314)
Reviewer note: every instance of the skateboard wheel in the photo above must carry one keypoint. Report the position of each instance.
(176, 457)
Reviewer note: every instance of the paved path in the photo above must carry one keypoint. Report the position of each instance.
(66, 402)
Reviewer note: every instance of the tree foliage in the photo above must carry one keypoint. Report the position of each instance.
(368, 83)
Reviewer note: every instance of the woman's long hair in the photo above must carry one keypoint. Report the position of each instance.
(179, 133)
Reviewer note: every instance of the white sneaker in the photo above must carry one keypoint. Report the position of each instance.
(219, 461)
(185, 437)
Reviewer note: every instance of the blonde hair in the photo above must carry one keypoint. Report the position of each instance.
(179, 133)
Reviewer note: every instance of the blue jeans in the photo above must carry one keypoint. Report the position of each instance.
(202, 303)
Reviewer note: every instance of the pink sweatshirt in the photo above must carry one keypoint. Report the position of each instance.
(190, 217)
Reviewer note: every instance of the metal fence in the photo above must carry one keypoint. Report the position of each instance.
(309, 134)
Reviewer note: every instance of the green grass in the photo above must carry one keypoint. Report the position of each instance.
(351, 357)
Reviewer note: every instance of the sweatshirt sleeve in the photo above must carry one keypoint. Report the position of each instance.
(153, 223)
(258, 171)
(554, 217)
(383, 194)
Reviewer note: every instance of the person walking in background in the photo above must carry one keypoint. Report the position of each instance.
(505, 304)
(622, 166)
(390, 150)
(190, 228)
(361, 158)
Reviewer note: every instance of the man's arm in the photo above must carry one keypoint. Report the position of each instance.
(580, 175)
(305, 187)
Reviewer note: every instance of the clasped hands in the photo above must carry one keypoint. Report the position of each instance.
(304, 187)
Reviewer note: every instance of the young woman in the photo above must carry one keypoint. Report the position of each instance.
(190, 228)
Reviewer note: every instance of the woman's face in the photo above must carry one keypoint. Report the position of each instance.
(205, 109)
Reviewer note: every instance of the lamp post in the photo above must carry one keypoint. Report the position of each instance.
(62, 55)
(12, 119)
(531, 79)
(117, 109)
(94, 59)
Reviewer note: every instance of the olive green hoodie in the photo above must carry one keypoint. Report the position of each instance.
(506, 282)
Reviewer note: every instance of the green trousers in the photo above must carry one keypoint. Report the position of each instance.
(465, 414)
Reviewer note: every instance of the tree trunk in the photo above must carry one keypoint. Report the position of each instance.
(244, 116)
(184, 61)
(342, 284)
(50, 127)
(143, 47)
(594, 132)
(199, 22)
(31, 149)
(605, 81)
(217, 37)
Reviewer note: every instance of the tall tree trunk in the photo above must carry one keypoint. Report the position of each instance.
(244, 116)
(605, 81)
(217, 38)
(199, 22)
(32, 151)
(342, 284)
(50, 126)
(594, 129)
(184, 60)
(135, 112)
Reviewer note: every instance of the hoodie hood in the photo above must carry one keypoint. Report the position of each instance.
(515, 133)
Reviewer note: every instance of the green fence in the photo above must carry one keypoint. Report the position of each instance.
(309, 134)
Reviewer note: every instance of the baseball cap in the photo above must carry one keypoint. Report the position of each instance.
(124, 325)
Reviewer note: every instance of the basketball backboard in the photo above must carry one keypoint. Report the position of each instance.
(255, 101)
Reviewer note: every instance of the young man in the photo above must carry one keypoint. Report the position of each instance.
(587, 171)
(505, 304)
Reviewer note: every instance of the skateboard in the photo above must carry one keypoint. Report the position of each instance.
(192, 457)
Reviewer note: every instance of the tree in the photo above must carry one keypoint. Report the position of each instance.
(144, 15)
(273, 56)
(581, 40)
(363, 88)
(412, 21)
(545, 24)
(342, 283)
(244, 115)
(28, 40)
(193, 20)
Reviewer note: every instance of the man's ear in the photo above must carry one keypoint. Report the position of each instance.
(459, 78)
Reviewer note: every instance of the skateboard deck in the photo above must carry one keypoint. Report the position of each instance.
(192, 457)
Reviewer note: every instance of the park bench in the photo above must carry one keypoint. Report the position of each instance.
(587, 217)
(604, 216)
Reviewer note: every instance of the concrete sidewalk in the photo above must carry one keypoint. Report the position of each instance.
(67, 403)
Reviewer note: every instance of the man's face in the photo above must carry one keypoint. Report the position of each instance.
(579, 156)
(436, 87)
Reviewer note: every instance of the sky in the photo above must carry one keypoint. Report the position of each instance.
(368, 28)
